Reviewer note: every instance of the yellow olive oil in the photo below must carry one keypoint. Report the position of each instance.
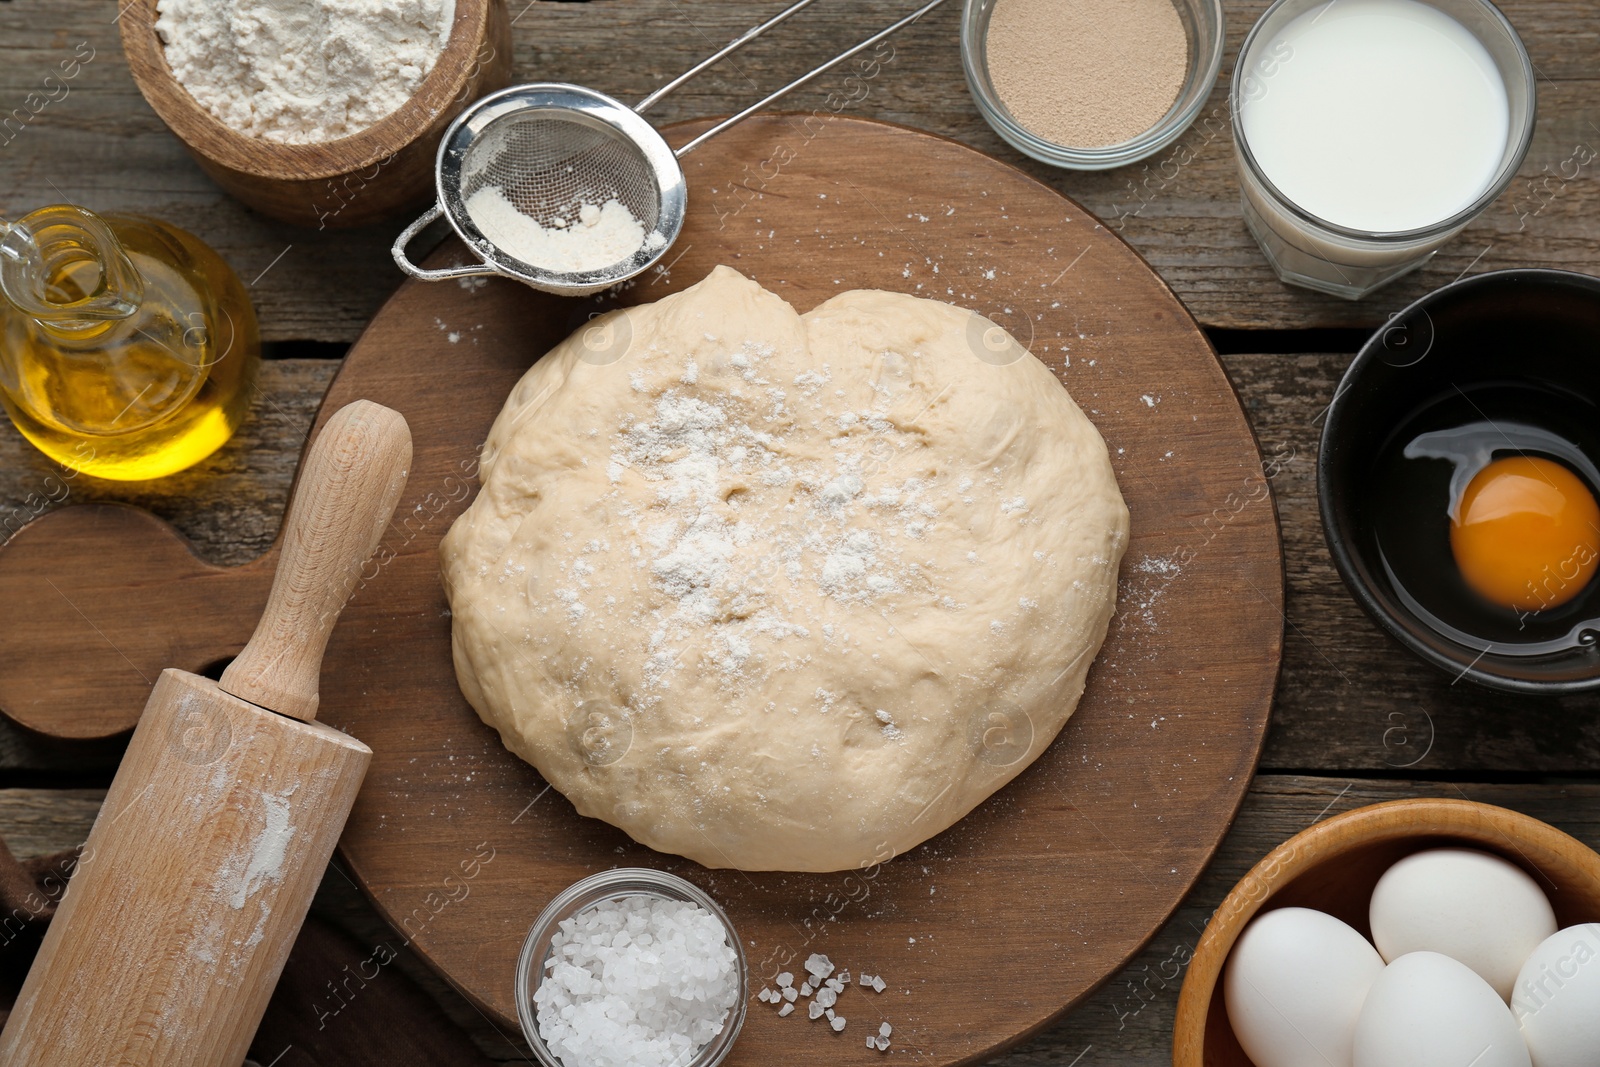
(128, 348)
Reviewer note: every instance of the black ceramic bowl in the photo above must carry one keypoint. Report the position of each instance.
(1512, 348)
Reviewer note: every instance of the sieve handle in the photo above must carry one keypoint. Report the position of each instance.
(404, 262)
(798, 82)
(726, 50)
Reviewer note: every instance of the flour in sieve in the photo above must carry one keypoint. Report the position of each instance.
(602, 235)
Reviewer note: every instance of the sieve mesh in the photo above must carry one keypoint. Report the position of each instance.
(553, 149)
(549, 162)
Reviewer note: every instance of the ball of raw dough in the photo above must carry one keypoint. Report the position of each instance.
(784, 592)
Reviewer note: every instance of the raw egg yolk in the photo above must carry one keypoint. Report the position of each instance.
(1526, 534)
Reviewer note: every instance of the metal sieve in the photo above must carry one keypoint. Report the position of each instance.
(553, 149)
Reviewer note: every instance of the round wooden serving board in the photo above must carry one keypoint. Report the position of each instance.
(985, 933)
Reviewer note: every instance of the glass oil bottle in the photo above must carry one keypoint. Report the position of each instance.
(128, 348)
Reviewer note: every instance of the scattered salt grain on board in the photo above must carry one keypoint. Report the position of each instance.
(636, 982)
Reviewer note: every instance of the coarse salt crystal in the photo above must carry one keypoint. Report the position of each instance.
(819, 965)
(837, 1022)
(785, 1010)
(785, 980)
(790, 994)
(665, 966)
(815, 1010)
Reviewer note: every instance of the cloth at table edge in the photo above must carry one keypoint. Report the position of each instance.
(338, 1003)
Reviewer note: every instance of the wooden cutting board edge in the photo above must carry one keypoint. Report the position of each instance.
(450, 250)
(1266, 686)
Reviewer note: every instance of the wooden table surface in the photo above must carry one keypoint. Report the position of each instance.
(1356, 719)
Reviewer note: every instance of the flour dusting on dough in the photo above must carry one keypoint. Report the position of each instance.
(803, 560)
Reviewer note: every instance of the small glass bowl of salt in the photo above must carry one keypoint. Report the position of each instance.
(638, 945)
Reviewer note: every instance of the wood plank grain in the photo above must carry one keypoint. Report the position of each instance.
(1189, 697)
(93, 139)
(1183, 695)
(1349, 698)
(169, 917)
(1126, 1023)
(39, 822)
(229, 506)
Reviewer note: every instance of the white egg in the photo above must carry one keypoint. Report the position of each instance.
(1428, 1010)
(1294, 986)
(1557, 999)
(1468, 905)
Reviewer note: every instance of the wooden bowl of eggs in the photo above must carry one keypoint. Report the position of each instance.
(1459, 477)
(363, 175)
(1397, 935)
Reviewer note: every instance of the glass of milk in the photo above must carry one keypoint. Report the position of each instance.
(1370, 132)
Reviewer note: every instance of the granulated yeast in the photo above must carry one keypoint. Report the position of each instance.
(1087, 73)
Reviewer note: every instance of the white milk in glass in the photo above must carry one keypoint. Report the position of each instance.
(1369, 129)
(1381, 115)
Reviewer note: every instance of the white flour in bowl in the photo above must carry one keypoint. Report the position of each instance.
(302, 71)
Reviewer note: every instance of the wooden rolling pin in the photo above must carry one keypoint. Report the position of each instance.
(202, 863)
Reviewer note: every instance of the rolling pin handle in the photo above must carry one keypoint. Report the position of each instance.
(350, 480)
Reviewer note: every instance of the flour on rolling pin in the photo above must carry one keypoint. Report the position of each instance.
(266, 854)
(225, 810)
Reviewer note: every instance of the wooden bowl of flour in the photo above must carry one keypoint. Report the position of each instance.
(379, 173)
